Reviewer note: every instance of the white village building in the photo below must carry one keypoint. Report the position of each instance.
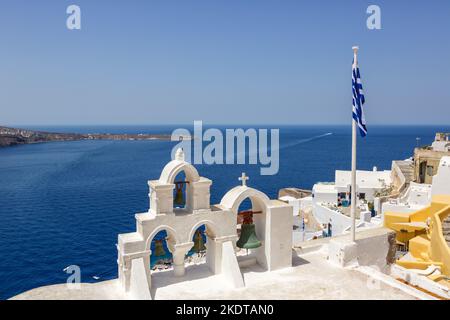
(273, 228)
(441, 142)
(418, 196)
(331, 201)
(367, 184)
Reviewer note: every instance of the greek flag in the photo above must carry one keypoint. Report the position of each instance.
(358, 100)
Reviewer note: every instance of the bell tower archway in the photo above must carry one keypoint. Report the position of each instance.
(197, 189)
(260, 205)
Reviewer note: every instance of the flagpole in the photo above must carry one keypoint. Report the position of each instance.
(353, 191)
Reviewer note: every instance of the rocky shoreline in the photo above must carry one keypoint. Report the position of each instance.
(15, 136)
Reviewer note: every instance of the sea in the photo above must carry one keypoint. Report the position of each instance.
(64, 203)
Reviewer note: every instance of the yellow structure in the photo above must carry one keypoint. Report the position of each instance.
(422, 234)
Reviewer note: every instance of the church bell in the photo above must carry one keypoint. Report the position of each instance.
(159, 248)
(179, 197)
(199, 243)
(248, 239)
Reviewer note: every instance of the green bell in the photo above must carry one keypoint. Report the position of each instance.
(179, 198)
(248, 239)
(159, 248)
(199, 244)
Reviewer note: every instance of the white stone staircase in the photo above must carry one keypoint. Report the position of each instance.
(407, 169)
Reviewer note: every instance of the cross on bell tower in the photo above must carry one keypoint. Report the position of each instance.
(244, 179)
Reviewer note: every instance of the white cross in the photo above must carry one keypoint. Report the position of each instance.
(244, 179)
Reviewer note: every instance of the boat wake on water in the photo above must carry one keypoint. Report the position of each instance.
(295, 143)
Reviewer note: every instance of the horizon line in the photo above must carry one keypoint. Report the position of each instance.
(217, 124)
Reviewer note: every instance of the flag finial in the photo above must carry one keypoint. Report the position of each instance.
(355, 52)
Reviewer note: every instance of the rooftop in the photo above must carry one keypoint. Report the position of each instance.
(364, 179)
(324, 188)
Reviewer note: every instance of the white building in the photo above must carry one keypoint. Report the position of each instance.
(416, 197)
(441, 142)
(324, 193)
(331, 200)
(367, 184)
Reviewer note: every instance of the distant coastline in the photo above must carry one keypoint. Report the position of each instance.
(15, 136)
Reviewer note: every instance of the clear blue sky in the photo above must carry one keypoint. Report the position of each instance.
(222, 61)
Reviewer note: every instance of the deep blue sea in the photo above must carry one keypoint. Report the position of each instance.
(63, 203)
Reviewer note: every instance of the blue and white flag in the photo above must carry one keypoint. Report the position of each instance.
(358, 100)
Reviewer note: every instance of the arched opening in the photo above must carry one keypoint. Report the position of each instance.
(202, 235)
(258, 206)
(197, 254)
(173, 168)
(183, 175)
(161, 244)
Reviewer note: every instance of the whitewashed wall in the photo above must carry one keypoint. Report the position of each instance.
(339, 222)
(441, 181)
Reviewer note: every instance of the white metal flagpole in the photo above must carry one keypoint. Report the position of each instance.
(353, 191)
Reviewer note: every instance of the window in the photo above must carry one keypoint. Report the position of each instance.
(429, 170)
(362, 196)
